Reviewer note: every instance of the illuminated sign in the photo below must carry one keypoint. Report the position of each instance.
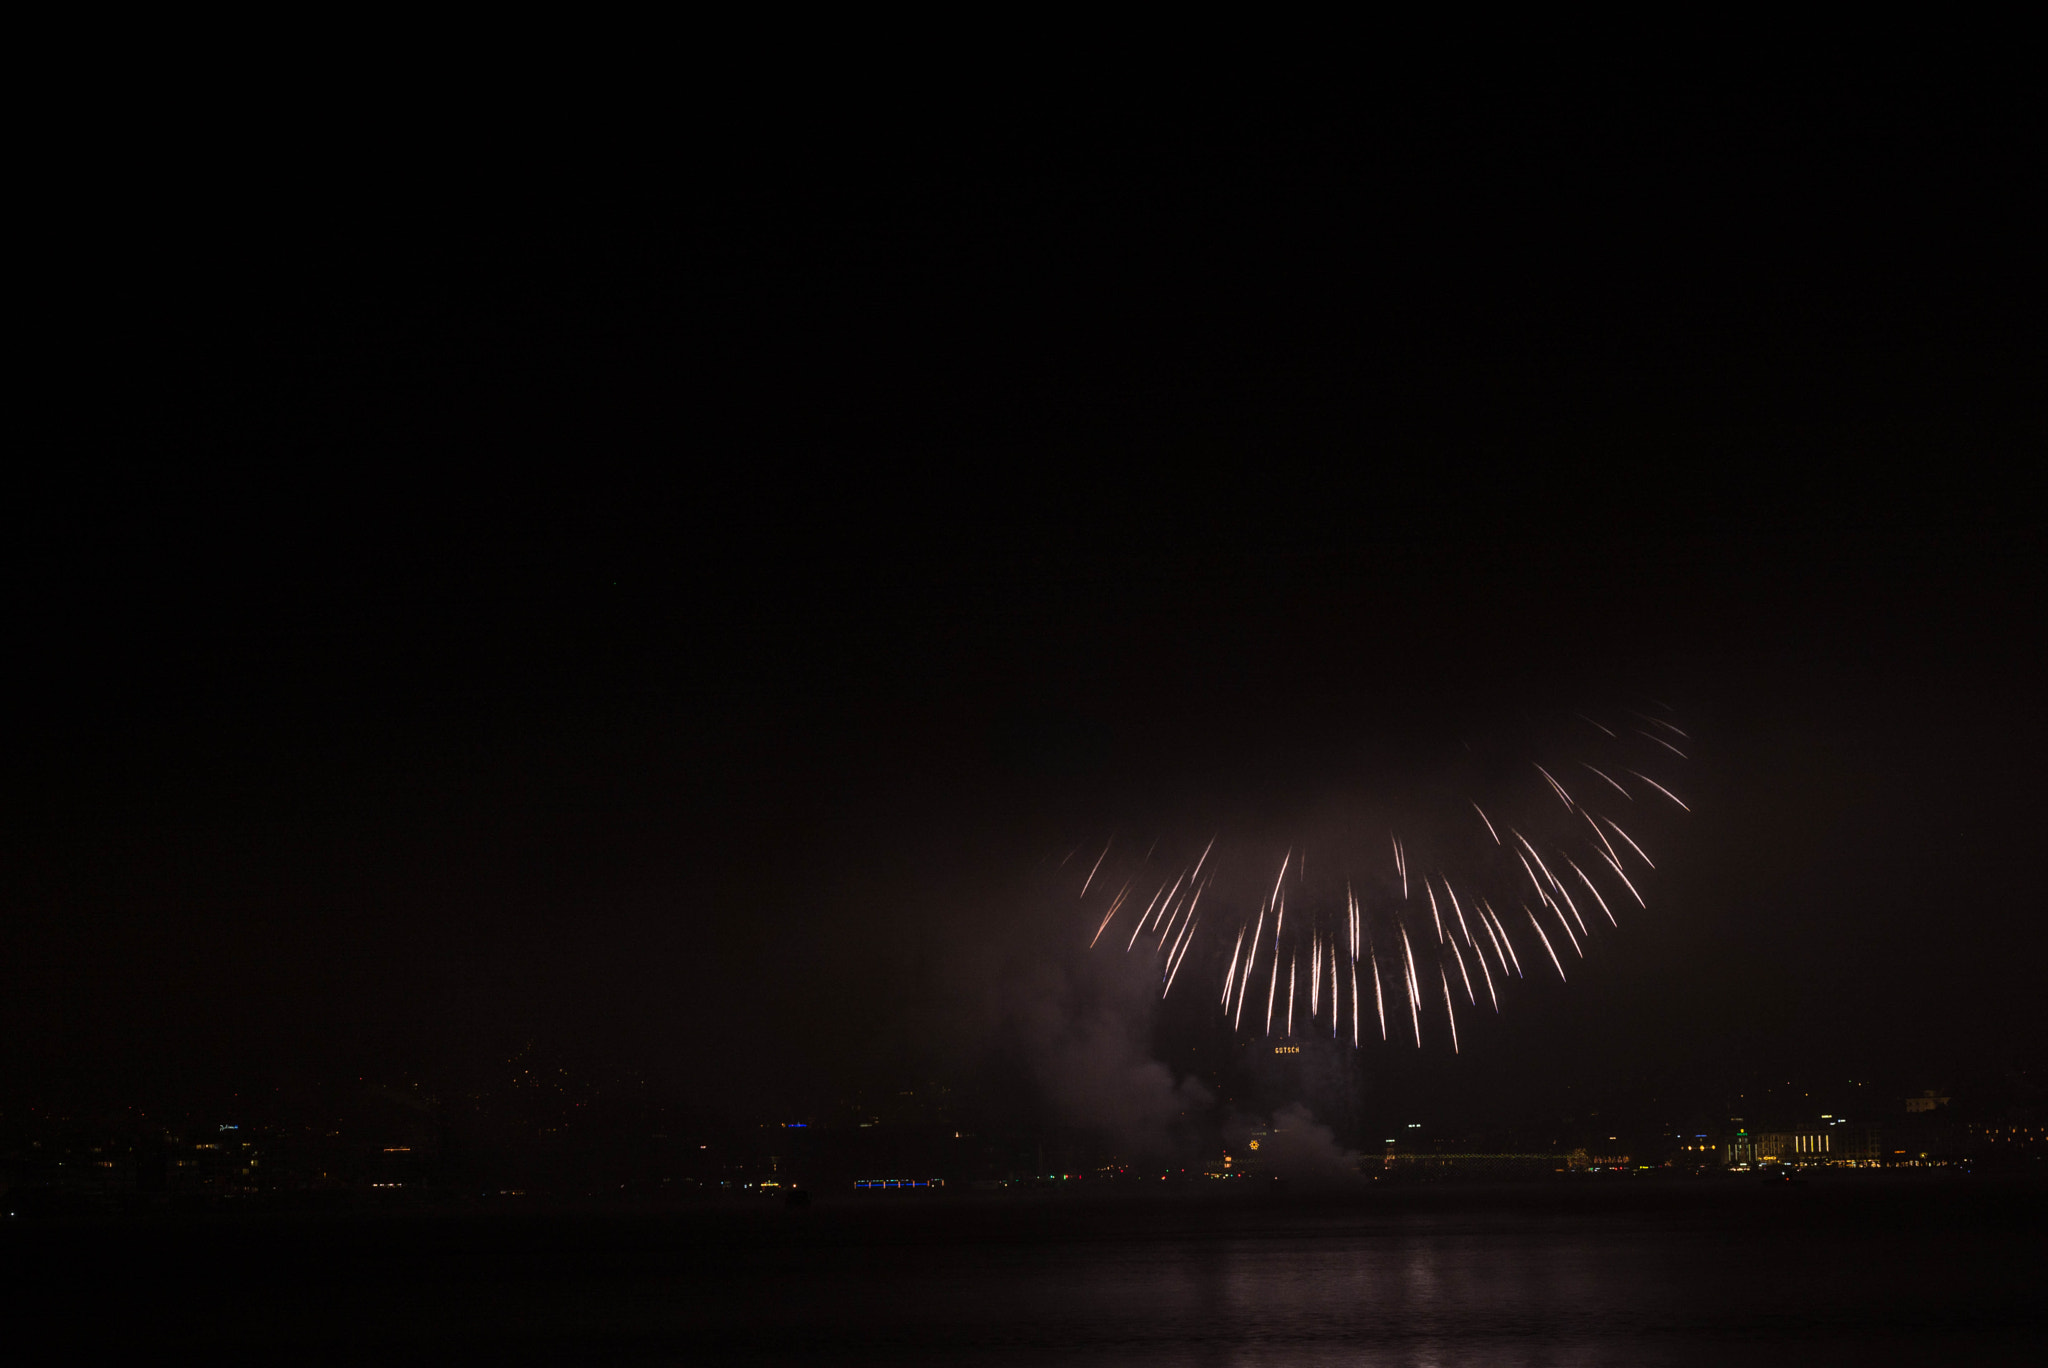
(1287, 1049)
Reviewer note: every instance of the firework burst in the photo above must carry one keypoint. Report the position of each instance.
(1429, 904)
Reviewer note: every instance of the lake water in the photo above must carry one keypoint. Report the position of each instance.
(1646, 1272)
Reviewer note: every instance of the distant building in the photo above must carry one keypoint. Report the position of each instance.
(1794, 1147)
(1836, 1142)
(1441, 1164)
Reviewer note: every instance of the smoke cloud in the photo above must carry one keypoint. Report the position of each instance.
(1300, 1150)
(1084, 1027)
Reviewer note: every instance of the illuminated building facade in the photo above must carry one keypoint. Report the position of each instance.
(1793, 1147)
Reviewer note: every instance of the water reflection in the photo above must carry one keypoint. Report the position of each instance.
(1572, 1290)
(1671, 1276)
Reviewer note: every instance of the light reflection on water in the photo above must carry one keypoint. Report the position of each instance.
(1659, 1276)
(1415, 1293)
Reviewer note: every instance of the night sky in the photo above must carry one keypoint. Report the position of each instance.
(661, 582)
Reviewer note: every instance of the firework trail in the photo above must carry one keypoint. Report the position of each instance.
(1337, 1017)
(1566, 798)
(1293, 965)
(1619, 873)
(1098, 865)
(1119, 902)
(1615, 827)
(1459, 957)
(1139, 925)
(1660, 788)
(1238, 1019)
(1414, 992)
(1487, 975)
(1547, 831)
(1594, 889)
(1611, 780)
(1189, 940)
(1504, 939)
(1452, 894)
(1315, 977)
(1546, 942)
(1659, 741)
(1230, 974)
(1272, 985)
(1450, 1008)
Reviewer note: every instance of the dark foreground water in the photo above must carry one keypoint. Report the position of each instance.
(1844, 1271)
